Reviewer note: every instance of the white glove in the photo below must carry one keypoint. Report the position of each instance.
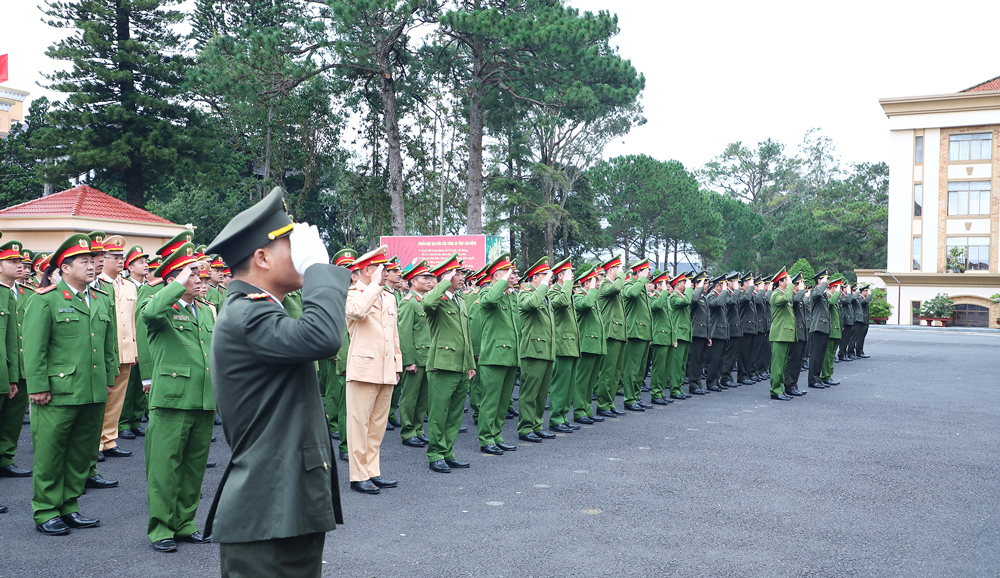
(307, 247)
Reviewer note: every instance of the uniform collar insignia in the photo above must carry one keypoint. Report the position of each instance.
(67, 295)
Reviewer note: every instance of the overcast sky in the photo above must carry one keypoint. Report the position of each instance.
(724, 71)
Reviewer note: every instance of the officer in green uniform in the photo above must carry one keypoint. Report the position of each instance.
(130, 423)
(498, 358)
(796, 350)
(638, 334)
(782, 333)
(264, 379)
(331, 374)
(846, 305)
(71, 360)
(216, 294)
(593, 346)
(536, 350)
(414, 344)
(679, 304)
(393, 278)
(470, 298)
(566, 344)
(833, 294)
(612, 310)
(181, 404)
(14, 299)
(664, 343)
(450, 358)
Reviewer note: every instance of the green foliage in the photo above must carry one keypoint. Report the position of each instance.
(995, 298)
(802, 266)
(20, 180)
(879, 306)
(957, 259)
(940, 306)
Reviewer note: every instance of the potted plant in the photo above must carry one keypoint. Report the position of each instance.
(957, 259)
(940, 308)
(879, 309)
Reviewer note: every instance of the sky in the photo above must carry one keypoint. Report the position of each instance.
(724, 71)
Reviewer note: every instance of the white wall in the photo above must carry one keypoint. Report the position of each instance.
(929, 233)
(900, 199)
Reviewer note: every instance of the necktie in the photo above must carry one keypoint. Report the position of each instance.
(190, 307)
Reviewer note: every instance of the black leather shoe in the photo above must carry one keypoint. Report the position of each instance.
(545, 435)
(714, 388)
(440, 467)
(530, 437)
(139, 431)
(817, 386)
(214, 439)
(116, 452)
(195, 538)
(167, 545)
(218, 420)
(98, 482)
(837, 360)
(796, 393)
(365, 487)
(395, 422)
(414, 442)
(100, 456)
(491, 449)
(126, 434)
(210, 464)
(3, 509)
(512, 413)
(389, 426)
(660, 401)
(698, 391)
(54, 527)
(584, 420)
(606, 413)
(747, 382)
(561, 428)
(343, 456)
(75, 520)
(634, 407)
(12, 471)
(617, 411)
(831, 382)
(507, 447)
(335, 435)
(463, 429)
(596, 418)
(863, 356)
(383, 483)
(781, 397)
(424, 438)
(457, 463)
(678, 396)
(645, 405)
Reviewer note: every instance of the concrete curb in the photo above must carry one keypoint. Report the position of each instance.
(965, 330)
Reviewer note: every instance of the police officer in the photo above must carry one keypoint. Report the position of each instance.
(14, 299)
(566, 346)
(612, 310)
(781, 334)
(536, 351)
(638, 334)
(663, 344)
(679, 304)
(593, 345)
(414, 344)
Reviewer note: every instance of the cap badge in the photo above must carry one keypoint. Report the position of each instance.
(83, 242)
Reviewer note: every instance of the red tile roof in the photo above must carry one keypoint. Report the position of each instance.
(991, 84)
(82, 201)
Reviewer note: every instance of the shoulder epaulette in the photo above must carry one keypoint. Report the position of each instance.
(44, 290)
(155, 283)
(259, 296)
(407, 296)
(102, 292)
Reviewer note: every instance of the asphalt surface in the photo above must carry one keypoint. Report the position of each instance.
(892, 473)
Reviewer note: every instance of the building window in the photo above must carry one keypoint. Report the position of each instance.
(918, 199)
(977, 254)
(915, 313)
(970, 147)
(918, 155)
(969, 198)
(916, 253)
(968, 315)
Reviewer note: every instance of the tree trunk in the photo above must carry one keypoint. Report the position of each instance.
(132, 175)
(474, 226)
(388, 89)
(267, 144)
(675, 257)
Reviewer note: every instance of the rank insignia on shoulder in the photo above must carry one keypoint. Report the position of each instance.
(155, 283)
(259, 296)
(407, 296)
(92, 289)
(67, 294)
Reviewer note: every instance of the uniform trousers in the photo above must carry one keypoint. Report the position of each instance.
(177, 443)
(831, 352)
(445, 406)
(336, 401)
(729, 358)
(759, 360)
(696, 361)
(611, 371)
(636, 351)
(715, 366)
(745, 365)
(65, 438)
(475, 395)
(394, 401)
(859, 342)
(794, 365)
(560, 393)
(536, 378)
(294, 557)
(817, 353)
(412, 402)
(678, 364)
(11, 420)
(779, 358)
(661, 368)
(367, 414)
(113, 409)
(497, 383)
(135, 402)
(586, 370)
(846, 337)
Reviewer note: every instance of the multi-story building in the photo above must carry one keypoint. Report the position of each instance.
(11, 108)
(944, 186)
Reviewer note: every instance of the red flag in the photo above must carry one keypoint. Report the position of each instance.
(3, 68)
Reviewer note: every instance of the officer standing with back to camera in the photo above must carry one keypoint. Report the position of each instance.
(271, 515)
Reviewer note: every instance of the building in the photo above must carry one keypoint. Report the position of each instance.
(43, 224)
(944, 186)
(11, 108)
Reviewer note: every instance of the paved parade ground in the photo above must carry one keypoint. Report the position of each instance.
(892, 473)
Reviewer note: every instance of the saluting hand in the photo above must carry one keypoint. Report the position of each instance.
(546, 277)
(504, 274)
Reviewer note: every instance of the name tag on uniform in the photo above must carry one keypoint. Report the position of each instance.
(181, 318)
(66, 310)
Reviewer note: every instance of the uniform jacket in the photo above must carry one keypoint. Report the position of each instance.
(451, 349)
(374, 356)
(859, 309)
(567, 334)
(733, 313)
(414, 333)
(846, 306)
(69, 346)
(282, 479)
(663, 329)
(10, 367)
(537, 328)
(471, 300)
(748, 313)
(762, 300)
(498, 344)
(609, 299)
(782, 316)
(588, 320)
(24, 295)
(718, 322)
(125, 296)
(799, 307)
(680, 316)
(699, 314)
(180, 344)
(865, 304)
(819, 309)
(835, 328)
(141, 339)
(638, 320)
